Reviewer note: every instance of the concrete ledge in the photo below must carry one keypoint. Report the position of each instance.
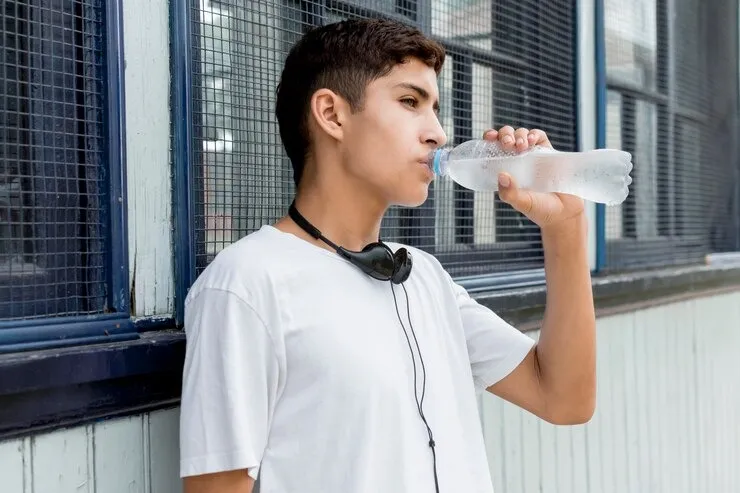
(620, 293)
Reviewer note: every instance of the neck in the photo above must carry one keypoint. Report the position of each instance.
(345, 212)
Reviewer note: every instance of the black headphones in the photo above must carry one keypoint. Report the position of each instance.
(376, 259)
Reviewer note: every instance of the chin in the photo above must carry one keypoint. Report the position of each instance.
(412, 197)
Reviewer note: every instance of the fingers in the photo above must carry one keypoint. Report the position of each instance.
(507, 138)
(518, 140)
(538, 137)
(513, 139)
(522, 141)
(509, 192)
(490, 134)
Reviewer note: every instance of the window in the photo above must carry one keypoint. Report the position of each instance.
(509, 62)
(671, 101)
(61, 200)
(240, 176)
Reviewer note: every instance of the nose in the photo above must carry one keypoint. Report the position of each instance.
(434, 133)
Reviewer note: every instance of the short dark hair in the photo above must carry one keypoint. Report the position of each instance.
(343, 57)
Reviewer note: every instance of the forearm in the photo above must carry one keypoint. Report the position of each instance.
(237, 481)
(566, 352)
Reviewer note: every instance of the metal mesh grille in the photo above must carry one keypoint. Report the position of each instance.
(672, 101)
(51, 158)
(509, 62)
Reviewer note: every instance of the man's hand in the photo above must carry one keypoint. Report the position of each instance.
(544, 209)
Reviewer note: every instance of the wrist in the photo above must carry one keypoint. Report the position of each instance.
(566, 239)
(573, 228)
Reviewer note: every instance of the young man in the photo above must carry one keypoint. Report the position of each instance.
(308, 372)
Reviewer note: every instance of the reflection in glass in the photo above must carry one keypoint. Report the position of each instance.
(692, 58)
(246, 180)
(614, 222)
(443, 193)
(484, 203)
(465, 21)
(690, 216)
(631, 42)
(645, 172)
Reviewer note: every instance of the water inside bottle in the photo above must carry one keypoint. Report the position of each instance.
(600, 175)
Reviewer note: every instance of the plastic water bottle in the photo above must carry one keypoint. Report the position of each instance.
(600, 175)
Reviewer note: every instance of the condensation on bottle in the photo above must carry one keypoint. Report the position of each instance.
(599, 175)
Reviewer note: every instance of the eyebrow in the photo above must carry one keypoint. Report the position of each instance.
(423, 93)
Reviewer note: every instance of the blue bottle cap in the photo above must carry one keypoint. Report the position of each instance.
(436, 162)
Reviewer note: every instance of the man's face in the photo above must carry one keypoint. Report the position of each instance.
(387, 143)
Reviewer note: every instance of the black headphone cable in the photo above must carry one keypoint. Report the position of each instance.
(419, 402)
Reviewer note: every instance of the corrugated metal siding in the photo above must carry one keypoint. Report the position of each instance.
(667, 421)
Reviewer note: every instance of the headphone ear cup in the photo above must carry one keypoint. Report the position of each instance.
(375, 259)
(403, 262)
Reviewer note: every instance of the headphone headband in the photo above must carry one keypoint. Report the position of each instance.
(376, 259)
(309, 228)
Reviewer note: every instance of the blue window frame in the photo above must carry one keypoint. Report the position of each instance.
(63, 251)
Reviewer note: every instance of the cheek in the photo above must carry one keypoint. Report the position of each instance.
(381, 147)
(367, 135)
(399, 142)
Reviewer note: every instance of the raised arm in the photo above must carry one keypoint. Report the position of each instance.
(557, 379)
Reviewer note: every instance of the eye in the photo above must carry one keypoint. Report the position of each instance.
(410, 102)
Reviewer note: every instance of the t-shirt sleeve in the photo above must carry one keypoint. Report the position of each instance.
(231, 381)
(495, 348)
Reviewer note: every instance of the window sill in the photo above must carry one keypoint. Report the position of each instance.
(619, 293)
(54, 388)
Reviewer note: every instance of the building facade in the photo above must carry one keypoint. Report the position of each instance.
(138, 138)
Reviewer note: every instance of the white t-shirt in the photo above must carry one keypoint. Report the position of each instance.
(297, 368)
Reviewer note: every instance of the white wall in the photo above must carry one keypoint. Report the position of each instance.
(666, 422)
(149, 177)
(137, 454)
(666, 418)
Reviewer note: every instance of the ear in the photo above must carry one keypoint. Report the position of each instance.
(329, 111)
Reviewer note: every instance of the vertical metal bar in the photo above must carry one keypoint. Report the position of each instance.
(666, 43)
(630, 208)
(462, 103)
(600, 49)
(118, 275)
(424, 16)
(184, 247)
(736, 146)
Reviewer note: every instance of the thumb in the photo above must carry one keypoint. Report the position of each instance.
(510, 193)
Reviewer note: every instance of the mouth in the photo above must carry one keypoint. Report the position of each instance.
(425, 164)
